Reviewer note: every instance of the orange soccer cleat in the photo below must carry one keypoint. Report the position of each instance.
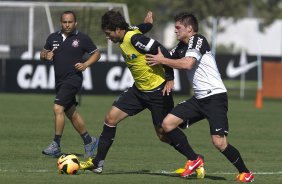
(245, 177)
(191, 166)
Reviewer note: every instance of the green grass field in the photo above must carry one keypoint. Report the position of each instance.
(136, 156)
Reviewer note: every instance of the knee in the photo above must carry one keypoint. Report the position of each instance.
(58, 109)
(165, 126)
(72, 114)
(219, 142)
(168, 125)
(110, 120)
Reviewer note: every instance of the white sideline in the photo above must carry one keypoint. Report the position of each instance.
(157, 172)
(225, 173)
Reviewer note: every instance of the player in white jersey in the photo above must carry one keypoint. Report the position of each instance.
(208, 102)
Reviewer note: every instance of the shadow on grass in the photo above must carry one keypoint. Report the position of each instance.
(162, 173)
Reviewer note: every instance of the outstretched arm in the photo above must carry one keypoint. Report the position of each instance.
(149, 18)
(182, 63)
(91, 60)
(148, 23)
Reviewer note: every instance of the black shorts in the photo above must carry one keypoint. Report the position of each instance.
(213, 108)
(65, 95)
(133, 101)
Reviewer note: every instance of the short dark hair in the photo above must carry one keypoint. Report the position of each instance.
(187, 19)
(112, 20)
(68, 12)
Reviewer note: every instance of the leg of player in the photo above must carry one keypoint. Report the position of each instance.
(105, 141)
(234, 156)
(90, 143)
(200, 172)
(178, 138)
(162, 135)
(54, 149)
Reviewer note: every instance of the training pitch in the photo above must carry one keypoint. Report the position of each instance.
(137, 156)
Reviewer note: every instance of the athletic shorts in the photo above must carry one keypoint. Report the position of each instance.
(65, 95)
(133, 101)
(213, 108)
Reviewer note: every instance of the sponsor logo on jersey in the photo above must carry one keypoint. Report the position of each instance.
(140, 45)
(172, 51)
(55, 45)
(128, 57)
(133, 27)
(190, 44)
(199, 43)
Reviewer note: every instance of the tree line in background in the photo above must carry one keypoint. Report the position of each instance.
(207, 11)
(164, 10)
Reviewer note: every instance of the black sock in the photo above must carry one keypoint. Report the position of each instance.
(86, 138)
(105, 141)
(180, 143)
(57, 139)
(233, 155)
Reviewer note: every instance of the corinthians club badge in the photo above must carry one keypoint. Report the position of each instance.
(75, 43)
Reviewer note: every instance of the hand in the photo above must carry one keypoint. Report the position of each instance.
(149, 17)
(49, 55)
(153, 60)
(168, 87)
(80, 66)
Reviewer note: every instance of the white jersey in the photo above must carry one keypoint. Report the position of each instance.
(204, 76)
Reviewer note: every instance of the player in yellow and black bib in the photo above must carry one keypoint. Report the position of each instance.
(152, 85)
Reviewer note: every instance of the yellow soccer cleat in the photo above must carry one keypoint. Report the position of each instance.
(179, 171)
(86, 165)
(200, 172)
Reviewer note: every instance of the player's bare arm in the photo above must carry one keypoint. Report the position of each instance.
(148, 23)
(183, 63)
(91, 60)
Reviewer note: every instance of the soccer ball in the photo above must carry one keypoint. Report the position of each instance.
(68, 164)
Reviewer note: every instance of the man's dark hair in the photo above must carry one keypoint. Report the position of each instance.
(112, 20)
(68, 12)
(187, 19)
